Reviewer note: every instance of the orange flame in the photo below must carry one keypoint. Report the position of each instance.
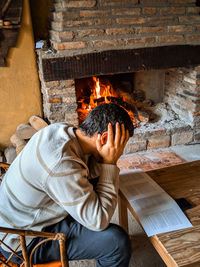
(97, 88)
(100, 93)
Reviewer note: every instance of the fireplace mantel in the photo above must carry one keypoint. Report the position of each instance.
(120, 61)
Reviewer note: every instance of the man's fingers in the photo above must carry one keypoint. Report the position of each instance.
(110, 134)
(117, 134)
(123, 134)
(98, 142)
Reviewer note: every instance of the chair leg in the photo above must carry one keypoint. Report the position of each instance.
(24, 251)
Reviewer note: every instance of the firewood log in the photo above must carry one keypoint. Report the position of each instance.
(37, 123)
(10, 154)
(17, 141)
(25, 131)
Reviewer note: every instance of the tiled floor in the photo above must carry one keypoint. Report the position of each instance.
(144, 254)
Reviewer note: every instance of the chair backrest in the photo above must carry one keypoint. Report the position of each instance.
(27, 259)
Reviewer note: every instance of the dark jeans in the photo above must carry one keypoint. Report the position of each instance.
(110, 247)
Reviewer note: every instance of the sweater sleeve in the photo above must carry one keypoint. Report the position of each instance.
(68, 185)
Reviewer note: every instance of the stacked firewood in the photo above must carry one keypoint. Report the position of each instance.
(22, 135)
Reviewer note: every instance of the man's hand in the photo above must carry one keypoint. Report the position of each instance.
(113, 149)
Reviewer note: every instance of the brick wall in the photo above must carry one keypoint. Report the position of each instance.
(182, 92)
(59, 100)
(87, 26)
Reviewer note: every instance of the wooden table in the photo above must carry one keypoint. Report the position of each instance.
(182, 247)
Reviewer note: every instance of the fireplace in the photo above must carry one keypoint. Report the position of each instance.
(145, 54)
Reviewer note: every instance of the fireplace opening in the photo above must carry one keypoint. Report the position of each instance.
(127, 90)
(95, 90)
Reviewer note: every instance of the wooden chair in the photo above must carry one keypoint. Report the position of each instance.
(27, 259)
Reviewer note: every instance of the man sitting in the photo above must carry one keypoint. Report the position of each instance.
(49, 188)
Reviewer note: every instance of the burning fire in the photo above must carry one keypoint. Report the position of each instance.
(100, 93)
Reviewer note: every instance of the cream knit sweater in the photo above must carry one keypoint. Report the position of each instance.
(49, 180)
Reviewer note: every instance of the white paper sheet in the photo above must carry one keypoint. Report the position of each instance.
(156, 210)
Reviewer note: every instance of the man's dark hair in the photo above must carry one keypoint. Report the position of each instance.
(97, 120)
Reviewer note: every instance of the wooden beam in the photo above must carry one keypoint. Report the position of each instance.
(8, 38)
(120, 61)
